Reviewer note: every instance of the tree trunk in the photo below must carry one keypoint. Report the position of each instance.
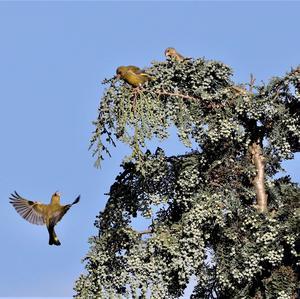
(259, 181)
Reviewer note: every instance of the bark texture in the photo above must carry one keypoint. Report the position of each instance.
(259, 181)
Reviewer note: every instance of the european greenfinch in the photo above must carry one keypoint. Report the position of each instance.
(39, 213)
(173, 54)
(123, 69)
(133, 75)
(238, 90)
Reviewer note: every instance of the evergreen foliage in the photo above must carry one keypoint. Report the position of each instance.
(206, 218)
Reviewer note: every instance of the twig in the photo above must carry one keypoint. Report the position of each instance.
(251, 84)
(136, 91)
(183, 96)
(145, 232)
(175, 94)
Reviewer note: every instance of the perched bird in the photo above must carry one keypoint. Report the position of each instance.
(39, 213)
(133, 75)
(123, 69)
(172, 53)
(238, 90)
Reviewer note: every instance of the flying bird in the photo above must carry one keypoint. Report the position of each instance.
(39, 213)
(133, 75)
(173, 54)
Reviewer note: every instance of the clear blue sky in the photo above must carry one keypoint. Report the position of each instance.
(53, 56)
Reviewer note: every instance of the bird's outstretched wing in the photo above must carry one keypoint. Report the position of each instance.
(28, 209)
(58, 214)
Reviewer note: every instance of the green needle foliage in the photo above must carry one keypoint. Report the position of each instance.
(208, 222)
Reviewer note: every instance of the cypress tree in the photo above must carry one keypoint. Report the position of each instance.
(221, 214)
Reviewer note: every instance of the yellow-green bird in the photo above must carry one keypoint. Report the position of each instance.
(133, 75)
(172, 53)
(39, 213)
(123, 69)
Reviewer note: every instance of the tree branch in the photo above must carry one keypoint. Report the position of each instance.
(259, 181)
(258, 160)
(145, 232)
(175, 94)
(183, 96)
(252, 81)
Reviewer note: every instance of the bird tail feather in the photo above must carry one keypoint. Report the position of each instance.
(53, 239)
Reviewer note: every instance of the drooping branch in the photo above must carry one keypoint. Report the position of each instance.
(259, 181)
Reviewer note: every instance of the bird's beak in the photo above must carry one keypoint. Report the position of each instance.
(57, 193)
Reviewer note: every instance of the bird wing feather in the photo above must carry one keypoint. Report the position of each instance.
(31, 211)
(56, 215)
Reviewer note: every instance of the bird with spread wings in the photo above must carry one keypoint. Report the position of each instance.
(39, 213)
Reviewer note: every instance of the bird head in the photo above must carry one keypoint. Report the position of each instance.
(170, 52)
(56, 193)
(55, 197)
(121, 70)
